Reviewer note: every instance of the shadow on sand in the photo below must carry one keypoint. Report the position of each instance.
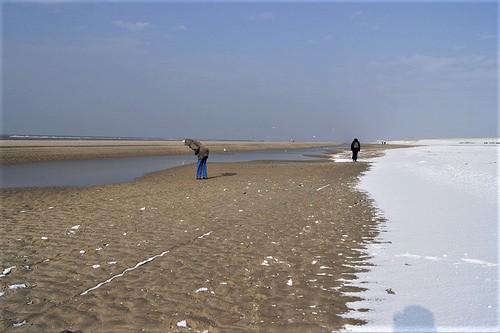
(225, 174)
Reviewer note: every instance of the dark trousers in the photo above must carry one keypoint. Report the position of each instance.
(201, 168)
(355, 155)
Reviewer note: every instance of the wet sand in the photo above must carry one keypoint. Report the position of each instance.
(27, 151)
(260, 246)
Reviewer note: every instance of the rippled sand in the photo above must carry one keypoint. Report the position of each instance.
(260, 246)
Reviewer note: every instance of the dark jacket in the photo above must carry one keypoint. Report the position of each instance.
(353, 145)
(199, 149)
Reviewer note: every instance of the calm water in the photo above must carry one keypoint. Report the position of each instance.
(118, 170)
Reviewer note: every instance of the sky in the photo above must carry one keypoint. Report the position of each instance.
(326, 71)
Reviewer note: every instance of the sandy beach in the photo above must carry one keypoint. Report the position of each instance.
(27, 151)
(259, 246)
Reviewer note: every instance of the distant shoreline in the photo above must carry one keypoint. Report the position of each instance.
(42, 150)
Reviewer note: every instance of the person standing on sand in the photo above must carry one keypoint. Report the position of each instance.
(202, 152)
(355, 147)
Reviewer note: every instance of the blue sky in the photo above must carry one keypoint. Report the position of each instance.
(251, 70)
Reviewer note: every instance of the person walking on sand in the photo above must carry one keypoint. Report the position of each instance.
(355, 147)
(202, 152)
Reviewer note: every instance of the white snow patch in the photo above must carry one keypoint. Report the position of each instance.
(479, 262)
(449, 204)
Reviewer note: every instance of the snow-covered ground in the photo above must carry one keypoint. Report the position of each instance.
(447, 142)
(436, 269)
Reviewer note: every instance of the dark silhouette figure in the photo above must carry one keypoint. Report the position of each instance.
(355, 148)
(414, 318)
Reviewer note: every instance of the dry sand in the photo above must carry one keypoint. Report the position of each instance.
(26, 151)
(260, 246)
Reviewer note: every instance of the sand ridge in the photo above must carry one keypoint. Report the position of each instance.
(28, 151)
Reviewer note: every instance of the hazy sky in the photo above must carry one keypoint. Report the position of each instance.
(251, 70)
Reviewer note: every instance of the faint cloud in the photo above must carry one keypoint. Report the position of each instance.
(181, 27)
(324, 38)
(132, 26)
(458, 64)
(264, 16)
(356, 14)
(459, 67)
(427, 63)
(487, 36)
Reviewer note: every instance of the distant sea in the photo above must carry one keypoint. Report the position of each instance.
(74, 137)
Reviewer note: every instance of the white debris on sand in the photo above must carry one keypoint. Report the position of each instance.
(19, 323)
(182, 324)
(322, 187)
(112, 262)
(44, 238)
(289, 282)
(17, 286)
(204, 235)
(75, 227)
(202, 289)
(7, 271)
(82, 251)
(143, 209)
(96, 266)
(139, 264)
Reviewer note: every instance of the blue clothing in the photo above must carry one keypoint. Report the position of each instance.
(201, 168)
